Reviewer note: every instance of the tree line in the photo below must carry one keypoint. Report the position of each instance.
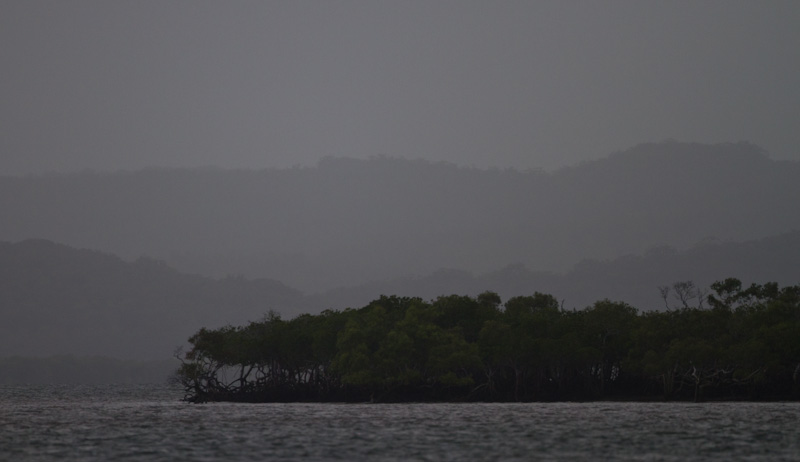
(736, 342)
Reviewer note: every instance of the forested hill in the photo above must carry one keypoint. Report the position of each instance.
(56, 299)
(347, 221)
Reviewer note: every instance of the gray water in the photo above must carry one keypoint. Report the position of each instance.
(150, 423)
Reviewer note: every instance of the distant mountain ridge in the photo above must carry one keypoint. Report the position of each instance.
(347, 221)
(55, 299)
(58, 300)
(634, 279)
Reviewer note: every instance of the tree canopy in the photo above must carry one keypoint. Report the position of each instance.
(741, 343)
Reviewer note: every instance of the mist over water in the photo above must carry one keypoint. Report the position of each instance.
(150, 423)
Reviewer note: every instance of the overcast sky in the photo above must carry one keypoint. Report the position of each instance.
(108, 85)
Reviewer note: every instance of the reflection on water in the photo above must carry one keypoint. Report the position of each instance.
(149, 423)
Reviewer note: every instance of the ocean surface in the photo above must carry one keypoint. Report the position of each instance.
(43, 423)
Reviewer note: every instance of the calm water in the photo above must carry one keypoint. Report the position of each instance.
(150, 423)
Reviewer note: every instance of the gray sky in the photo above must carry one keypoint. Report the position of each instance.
(108, 84)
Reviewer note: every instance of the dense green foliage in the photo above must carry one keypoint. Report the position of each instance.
(744, 345)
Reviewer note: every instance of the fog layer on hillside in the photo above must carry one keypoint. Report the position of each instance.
(345, 221)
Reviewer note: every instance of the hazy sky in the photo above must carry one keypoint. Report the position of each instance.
(109, 84)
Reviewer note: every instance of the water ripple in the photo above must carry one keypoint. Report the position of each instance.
(148, 423)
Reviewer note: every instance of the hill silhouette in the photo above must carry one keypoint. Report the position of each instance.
(55, 299)
(59, 300)
(345, 221)
(634, 279)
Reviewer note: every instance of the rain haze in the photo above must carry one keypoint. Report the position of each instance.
(172, 165)
(125, 85)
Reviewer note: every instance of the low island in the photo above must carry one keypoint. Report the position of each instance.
(733, 343)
